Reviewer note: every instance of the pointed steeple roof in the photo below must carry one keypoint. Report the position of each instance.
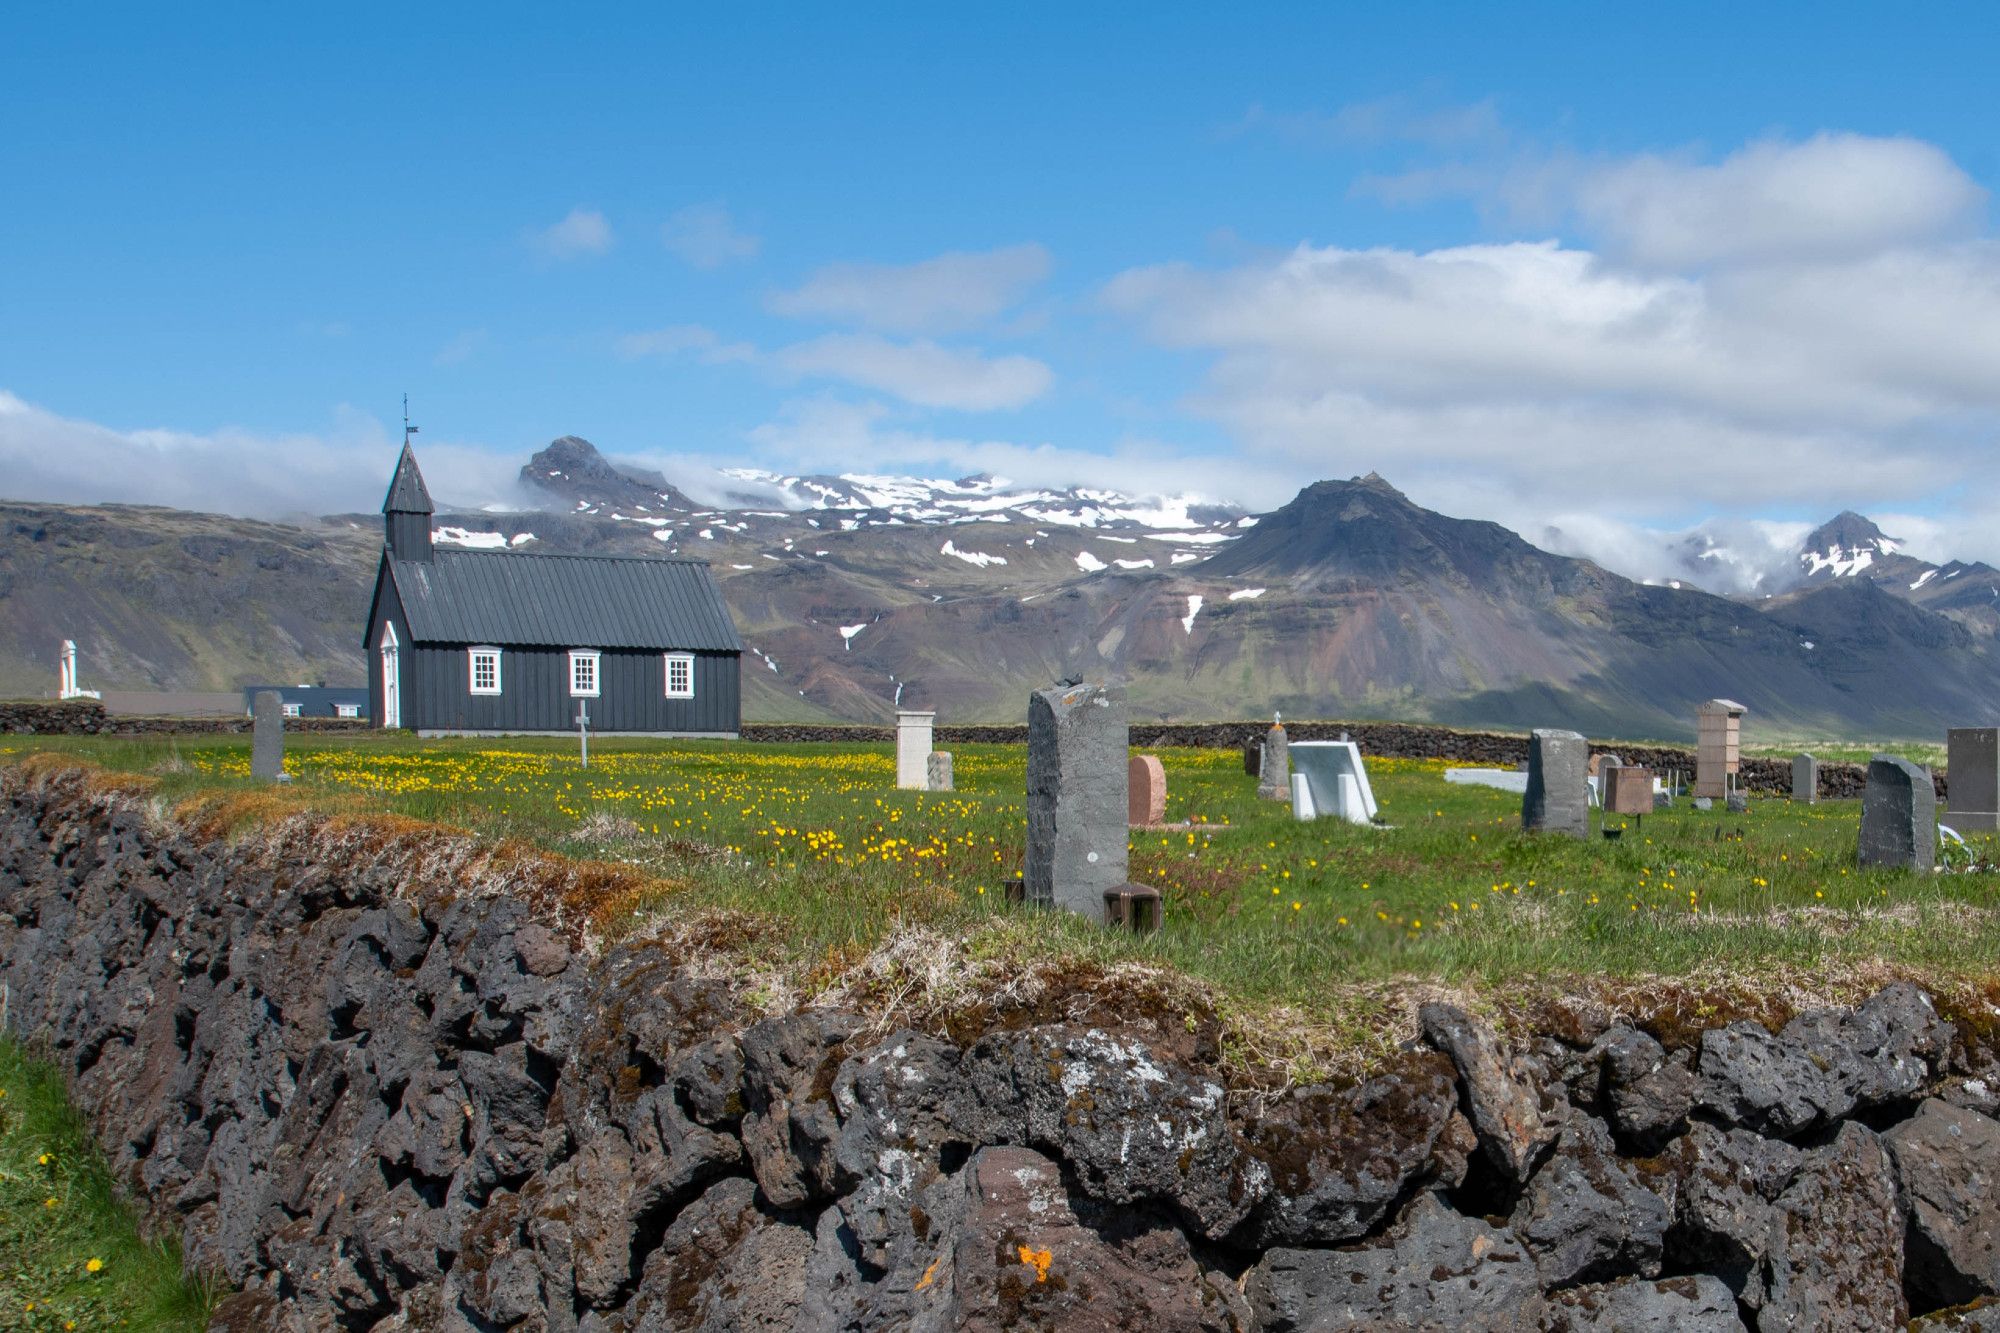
(407, 493)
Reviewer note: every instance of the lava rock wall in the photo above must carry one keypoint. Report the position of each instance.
(377, 1079)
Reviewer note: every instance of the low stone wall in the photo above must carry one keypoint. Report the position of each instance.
(374, 1086)
(87, 717)
(1390, 740)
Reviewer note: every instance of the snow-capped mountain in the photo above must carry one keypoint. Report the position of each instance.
(979, 499)
(1849, 546)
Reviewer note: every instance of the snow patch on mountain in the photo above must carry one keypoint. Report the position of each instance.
(1089, 563)
(1194, 609)
(978, 559)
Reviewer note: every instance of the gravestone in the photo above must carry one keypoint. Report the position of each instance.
(1338, 780)
(1898, 816)
(1145, 791)
(1558, 796)
(913, 748)
(937, 770)
(267, 737)
(1805, 779)
(1628, 790)
(1253, 755)
(1972, 762)
(1718, 746)
(1737, 802)
(1274, 766)
(1078, 744)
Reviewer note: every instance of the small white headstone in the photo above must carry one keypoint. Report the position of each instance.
(913, 749)
(1302, 798)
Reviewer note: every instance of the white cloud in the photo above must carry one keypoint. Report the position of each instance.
(677, 339)
(346, 468)
(584, 232)
(1832, 196)
(950, 293)
(707, 237)
(922, 372)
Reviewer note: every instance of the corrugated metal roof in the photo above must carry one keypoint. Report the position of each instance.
(407, 492)
(564, 601)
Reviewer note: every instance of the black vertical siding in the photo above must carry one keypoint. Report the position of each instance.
(534, 692)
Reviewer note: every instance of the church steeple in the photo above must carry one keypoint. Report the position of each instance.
(406, 511)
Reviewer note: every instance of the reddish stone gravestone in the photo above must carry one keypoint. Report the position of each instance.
(1146, 792)
(1629, 790)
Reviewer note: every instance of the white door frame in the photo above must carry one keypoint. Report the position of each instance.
(392, 684)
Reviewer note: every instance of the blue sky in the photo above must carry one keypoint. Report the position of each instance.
(1232, 249)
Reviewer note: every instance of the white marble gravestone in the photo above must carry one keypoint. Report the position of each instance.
(913, 749)
(1337, 778)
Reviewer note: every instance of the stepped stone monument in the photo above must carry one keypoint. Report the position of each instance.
(1336, 778)
(1146, 791)
(1274, 765)
(267, 737)
(937, 770)
(1898, 816)
(913, 748)
(1558, 796)
(1972, 761)
(1805, 780)
(1078, 744)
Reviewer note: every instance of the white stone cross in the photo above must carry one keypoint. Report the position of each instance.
(583, 728)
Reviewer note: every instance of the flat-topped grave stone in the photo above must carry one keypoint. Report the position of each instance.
(1333, 770)
(1145, 791)
(1253, 757)
(913, 748)
(1274, 766)
(1718, 746)
(267, 737)
(1557, 799)
(1805, 779)
(1972, 761)
(937, 770)
(1628, 790)
(1898, 816)
(1500, 779)
(1078, 746)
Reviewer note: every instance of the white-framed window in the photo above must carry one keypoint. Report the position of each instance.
(347, 710)
(290, 710)
(680, 675)
(483, 669)
(583, 676)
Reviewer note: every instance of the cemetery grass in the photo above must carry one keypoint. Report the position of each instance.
(71, 1254)
(817, 847)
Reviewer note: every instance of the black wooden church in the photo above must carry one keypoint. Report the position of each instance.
(491, 642)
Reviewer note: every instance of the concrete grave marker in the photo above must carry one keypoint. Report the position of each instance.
(937, 770)
(1898, 816)
(1628, 790)
(1303, 808)
(913, 748)
(1718, 746)
(1337, 778)
(1078, 744)
(1805, 779)
(1253, 755)
(1274, 765)
(1972, 762)
(1557, 799)
(1146, 791)
(267, 737)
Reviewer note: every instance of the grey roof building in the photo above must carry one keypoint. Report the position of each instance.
(493, 642)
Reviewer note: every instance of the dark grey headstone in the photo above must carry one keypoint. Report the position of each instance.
(1253, 755)
(267, 737)
(1972, 761)
(1898, 816)
(1737, 802)
(1078, 744)
(1805, 780)
(1558, 795)
(937, 770)
(1274, 767)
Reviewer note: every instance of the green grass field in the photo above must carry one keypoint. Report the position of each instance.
(71, 1256)
(814, 842)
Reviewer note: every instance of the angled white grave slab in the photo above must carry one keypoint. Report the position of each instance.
(1337, 778)
(1500, 779)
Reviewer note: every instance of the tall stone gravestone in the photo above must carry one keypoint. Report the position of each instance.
(1972, 762)
(1274, 766)
(913, 749)
(1805, 780)
(1146, 791)
(1558, 795)
(1898, 816)
(1718, 746)
(1077, 800)
(267, 737)
(937, 770)
(1253, 756)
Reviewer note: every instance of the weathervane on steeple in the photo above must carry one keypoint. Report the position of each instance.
(408, 429)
